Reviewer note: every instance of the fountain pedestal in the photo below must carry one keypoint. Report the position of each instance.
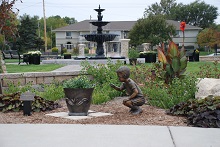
(81, 50)
(124, 47)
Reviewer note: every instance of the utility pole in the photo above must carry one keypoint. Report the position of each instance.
(45, 28)
(90, 24)
(38, 29)
(51, 36)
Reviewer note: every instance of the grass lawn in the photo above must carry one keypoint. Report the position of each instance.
(194, 66)
(203, 53)
(15, 68)
(11, 60)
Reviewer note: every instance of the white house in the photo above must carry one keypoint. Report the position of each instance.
(70, 36)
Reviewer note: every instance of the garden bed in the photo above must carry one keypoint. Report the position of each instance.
(150, 116)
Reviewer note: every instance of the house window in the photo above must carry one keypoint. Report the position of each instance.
(115, 47)
(68, 35)
(69, 45)
(125, 35)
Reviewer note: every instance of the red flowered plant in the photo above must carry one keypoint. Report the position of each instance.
(182, 28)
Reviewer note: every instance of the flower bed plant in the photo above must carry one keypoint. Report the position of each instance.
(34, 53)
(199, 112)
(11, 102)
(78, 82)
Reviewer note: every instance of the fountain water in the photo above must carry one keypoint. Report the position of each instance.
(99, 37)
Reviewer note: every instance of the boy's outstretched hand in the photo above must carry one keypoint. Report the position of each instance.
(112, 85)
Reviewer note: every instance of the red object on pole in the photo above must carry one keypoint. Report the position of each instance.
(182, 26)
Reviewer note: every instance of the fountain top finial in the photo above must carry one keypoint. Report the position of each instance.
(99, 10)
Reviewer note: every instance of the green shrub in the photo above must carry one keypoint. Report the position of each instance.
(55, 49)
(103, 75)
(76, 51)
(86, 51)
(133, 53)
(14, 88)
(104, 93)
(166, 96)
(52, 92)
(64, 50)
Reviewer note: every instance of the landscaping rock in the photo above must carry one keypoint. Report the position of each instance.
(208, 86)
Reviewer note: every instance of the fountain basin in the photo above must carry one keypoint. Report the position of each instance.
(99, 37)
(99, 23)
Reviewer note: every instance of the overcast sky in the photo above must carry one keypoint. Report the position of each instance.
(115, 10)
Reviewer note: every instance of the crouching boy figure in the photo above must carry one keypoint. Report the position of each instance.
(136, 97)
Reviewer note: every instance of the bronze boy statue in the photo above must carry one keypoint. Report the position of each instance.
(136, 97)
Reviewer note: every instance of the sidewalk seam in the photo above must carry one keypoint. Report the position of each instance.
(171, 136)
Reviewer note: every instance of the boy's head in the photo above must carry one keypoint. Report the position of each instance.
(123, 72)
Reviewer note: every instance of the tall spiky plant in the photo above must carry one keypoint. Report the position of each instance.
(174, 62)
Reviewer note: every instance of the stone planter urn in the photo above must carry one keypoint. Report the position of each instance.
(78, 101)
(78, 94)
(133, 61)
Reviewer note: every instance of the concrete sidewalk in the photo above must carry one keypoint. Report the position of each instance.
(76, 135)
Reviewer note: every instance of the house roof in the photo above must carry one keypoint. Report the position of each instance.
(114, 26)
(177, 25)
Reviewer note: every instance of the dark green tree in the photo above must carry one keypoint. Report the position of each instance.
(197, 13)
(28, 38)
(163, 8)
(153, 29)
(69, 20)
(53, 22)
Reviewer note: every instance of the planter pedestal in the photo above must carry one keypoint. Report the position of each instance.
(67, 56)
(196, 57)
(78, 101)
(133, 61)
(36, 59)
(149, 57)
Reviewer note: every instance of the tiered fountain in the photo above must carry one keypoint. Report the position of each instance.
(99, 37)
